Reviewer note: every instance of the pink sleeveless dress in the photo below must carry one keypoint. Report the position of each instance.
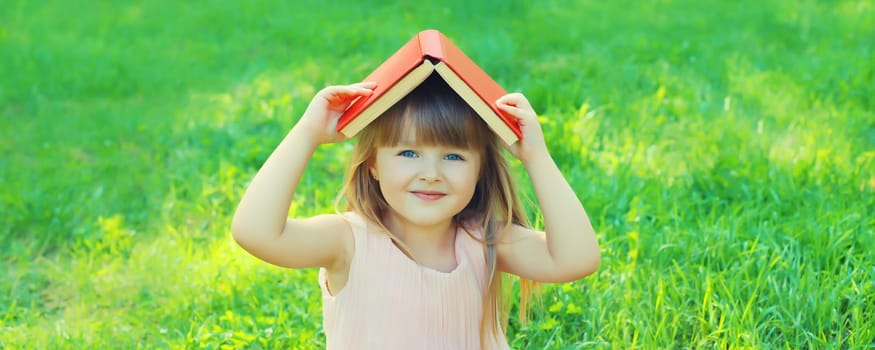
(391, 302)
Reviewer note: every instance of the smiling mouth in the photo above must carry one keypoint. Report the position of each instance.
(428, 196)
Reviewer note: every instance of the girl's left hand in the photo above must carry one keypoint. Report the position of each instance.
(532, 144)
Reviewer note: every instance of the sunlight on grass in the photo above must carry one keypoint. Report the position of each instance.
(730, 174)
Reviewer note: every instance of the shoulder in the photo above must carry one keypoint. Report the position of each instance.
(353, 220)
(353, 227)
(342, 225)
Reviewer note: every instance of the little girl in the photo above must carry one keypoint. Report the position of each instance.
(432, 220)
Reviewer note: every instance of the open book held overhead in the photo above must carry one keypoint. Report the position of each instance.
(430, 51)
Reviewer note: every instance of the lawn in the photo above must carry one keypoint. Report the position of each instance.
(725, 151)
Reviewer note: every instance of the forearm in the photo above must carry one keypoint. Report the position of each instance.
(571, 239)
(263, 210)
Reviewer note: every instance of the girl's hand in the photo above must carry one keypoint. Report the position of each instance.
(532, 144)
(320, 119)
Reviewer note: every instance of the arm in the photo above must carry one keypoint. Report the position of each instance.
(261, 224)
(568, 250)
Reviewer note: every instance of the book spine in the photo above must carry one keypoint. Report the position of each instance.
(431, 45)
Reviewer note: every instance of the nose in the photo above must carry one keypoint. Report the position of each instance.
(430, 171)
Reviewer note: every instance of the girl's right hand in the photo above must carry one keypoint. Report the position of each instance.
(320, 119)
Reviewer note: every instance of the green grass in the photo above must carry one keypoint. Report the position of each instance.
(724, 150)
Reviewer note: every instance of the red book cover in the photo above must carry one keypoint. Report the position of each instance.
(430, 44)
(386, 75)
(480, 82)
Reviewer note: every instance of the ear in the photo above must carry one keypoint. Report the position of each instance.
(373, 172)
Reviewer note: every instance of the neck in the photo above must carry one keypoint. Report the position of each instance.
(422, 239)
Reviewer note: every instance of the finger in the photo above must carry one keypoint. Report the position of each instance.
(514, 99)
(512, 109)
(350, 90)
(517, 111)
(343, 94)
(362, 88)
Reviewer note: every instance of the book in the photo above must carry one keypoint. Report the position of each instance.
(428, 52)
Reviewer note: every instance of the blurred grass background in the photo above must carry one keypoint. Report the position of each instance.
(724, 150)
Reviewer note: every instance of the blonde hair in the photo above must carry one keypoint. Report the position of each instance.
(432, 114)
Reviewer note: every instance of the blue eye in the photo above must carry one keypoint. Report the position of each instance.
(407, 154)
(453, 156)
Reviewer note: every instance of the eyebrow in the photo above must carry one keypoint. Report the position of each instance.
(419, 145)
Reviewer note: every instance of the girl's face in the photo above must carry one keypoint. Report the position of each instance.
(426, 185)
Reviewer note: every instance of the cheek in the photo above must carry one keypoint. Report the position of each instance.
(394, 176)
(393, 183)
(468, 181)
(389, 193)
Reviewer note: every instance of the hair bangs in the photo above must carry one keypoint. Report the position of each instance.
(432, 128)
(434, 115)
